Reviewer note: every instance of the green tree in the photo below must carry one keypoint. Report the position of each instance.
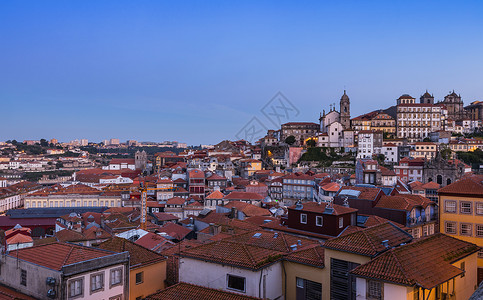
(290, 140)
(311, 143)
(44, 143)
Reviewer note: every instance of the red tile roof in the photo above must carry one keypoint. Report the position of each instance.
(175, 201)
(138, 255)
(249, 210)
(56, 255)
(426, 262)
(468, 185)
(313, 256)
(215, 195)
(196, 174)
(321, 207)
(187, 291)
(234, 254)
(7, 293)
(243, 196)
(368, 242)
(431, 186)
(331, 187)
(403, 202)
(154, 242)
(175, 231)
(162, 216)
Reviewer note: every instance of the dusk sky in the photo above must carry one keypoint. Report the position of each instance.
(197, 72)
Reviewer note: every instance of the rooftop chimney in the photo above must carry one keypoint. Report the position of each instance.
(385, 243)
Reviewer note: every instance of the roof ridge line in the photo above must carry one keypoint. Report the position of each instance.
(250, 256)
(68, 255)
(399, 264)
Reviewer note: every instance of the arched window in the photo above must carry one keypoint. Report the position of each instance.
(439, 179)
(448, 182)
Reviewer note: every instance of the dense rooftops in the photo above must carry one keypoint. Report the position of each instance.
(426, 262)
(369, 242)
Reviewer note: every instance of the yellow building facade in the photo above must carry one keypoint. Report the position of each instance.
(461, 212)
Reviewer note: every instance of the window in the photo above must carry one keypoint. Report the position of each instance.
(465, 229)
(23, 277)
(139, 277)
(303, 218)
(450, 227)
(318, 221)
(479, 230)
(76, 287)
(479, 208)
(300, 282)
(236, 283)
(480, 253)
(116, 277)
(465, 207)
(450, 206)
(97, 282)
(374, 289)
(341, 222)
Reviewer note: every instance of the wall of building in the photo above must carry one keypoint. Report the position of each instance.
(294, 270)
(329, 253)
(10, 272)
(153, 280)
(218, 277)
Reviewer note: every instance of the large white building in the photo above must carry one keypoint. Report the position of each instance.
(370, 143)
(415, 121)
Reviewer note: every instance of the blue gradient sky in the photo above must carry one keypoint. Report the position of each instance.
(196, 72)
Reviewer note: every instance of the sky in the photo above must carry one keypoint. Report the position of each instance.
(199, 71)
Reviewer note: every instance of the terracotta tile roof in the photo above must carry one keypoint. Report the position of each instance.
(386, 172)
(216, 177)
(313, 256)
(232, 226)
(403, 202)
(69, 235)
(468, 185)
(162, 216)
(368, 242)
(366, 193)
(187, 291)
(275, 225)
(431, 186)
(95, 233)
(248, 209)
(196, 174)
(215, 195)
(331, 187)
(243, 196)
(19, 239)
(321, 207)
(138, 255)
(175, 231)
(154, 204)
(179, 180)
(154, 242)
(181, 246)
(57, 255)
(259, 220)
(373, 220)
(425, 262)
(175, 201)
(7, 293)
(278, 241)
(235, 254)
(416, 186)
